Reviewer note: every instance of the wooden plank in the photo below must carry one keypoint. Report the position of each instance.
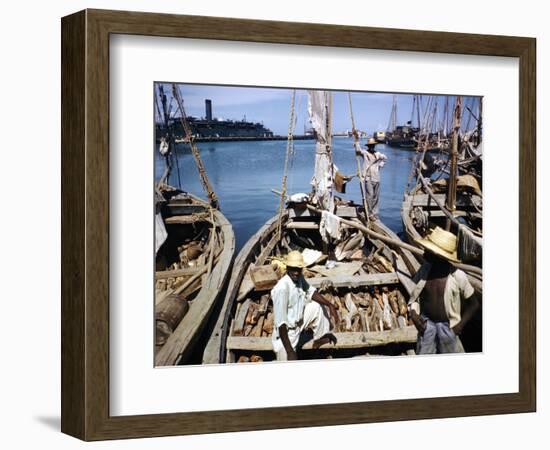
(302, 225)
(182, 220)
(298, 212)
(357, 280)
(185, 209)
(308, 225)
(341, 211)
(423, 200)
(456, 213)
(346, 211)
(345, 340)
(238, 323)
(163, 274)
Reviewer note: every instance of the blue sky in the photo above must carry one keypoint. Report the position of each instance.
(272, 106)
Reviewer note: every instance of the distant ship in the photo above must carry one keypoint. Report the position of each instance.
(211, 129)
(379, 136)
(403, 136)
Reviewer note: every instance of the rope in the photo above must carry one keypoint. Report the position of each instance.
(288, 154)
(196, 154)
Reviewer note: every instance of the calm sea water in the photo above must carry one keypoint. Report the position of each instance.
(243, 174)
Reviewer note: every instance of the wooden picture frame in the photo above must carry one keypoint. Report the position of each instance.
(85, 224)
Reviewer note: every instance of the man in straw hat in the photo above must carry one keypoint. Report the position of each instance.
(297, 306)
(373, 162)
(436, 303)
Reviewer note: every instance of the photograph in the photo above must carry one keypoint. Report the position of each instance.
(307, 224)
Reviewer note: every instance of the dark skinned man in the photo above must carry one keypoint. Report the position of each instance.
(297, 306)
(436, 303)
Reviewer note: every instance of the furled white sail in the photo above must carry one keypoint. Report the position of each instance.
(323, 176)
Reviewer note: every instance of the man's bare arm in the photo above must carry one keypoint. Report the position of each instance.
(323, 301)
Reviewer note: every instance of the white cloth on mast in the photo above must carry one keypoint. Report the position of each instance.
(323, 176)
(163, 147)
(160, 232)
(330, 226)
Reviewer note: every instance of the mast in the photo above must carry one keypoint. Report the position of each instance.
(164, 114)
(196, 154)
(480, 120)
(413, 109)
(320, 108)
(445, 116)
(418, 112)
(392, 124)
(357, 157)
(451, 191)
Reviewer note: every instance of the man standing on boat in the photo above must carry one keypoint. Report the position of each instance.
(443, 301)
(373, 162)
(297, 307)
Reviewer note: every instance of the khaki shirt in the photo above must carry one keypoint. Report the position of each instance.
(457, 287)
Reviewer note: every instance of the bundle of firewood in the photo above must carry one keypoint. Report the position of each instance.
(254, 318)
(378, 310)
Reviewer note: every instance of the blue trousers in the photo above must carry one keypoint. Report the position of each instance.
(438, 338)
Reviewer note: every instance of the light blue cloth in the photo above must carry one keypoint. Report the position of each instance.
(438, 338)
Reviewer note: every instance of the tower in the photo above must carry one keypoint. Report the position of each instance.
(208, 105)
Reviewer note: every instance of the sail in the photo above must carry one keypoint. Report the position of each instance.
(323, 176)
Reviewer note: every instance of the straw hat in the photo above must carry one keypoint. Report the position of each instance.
(440, 242)
(295, 259)
(372, 141)
(468, 181)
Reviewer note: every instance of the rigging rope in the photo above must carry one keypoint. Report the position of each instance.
(198, 161)
(288, 155)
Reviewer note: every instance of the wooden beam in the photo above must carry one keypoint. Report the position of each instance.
(302, 225)
(356, 280)
(456, 213)
(307, 225)
(345, 340)
(182, 220)
(423, 200)
(163, 274)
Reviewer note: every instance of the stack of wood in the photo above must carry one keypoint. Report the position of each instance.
(378, 310)
(192, 255)
(251, 358)
(254, 318)
(176, 287)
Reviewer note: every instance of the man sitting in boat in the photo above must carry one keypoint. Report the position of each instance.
(373, 162)
(441, 289)
(297, 307)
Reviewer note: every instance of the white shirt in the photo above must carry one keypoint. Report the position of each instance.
(373, 162)
(289, 300)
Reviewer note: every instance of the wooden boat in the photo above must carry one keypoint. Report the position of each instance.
(192, 267)
(426, 205)
(194, 250)
(422, 210)
(354, 268)
(364, 285)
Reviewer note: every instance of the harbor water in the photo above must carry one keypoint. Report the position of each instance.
(243, 174)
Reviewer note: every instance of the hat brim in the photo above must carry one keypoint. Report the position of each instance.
(295, 266)
(430, 246)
